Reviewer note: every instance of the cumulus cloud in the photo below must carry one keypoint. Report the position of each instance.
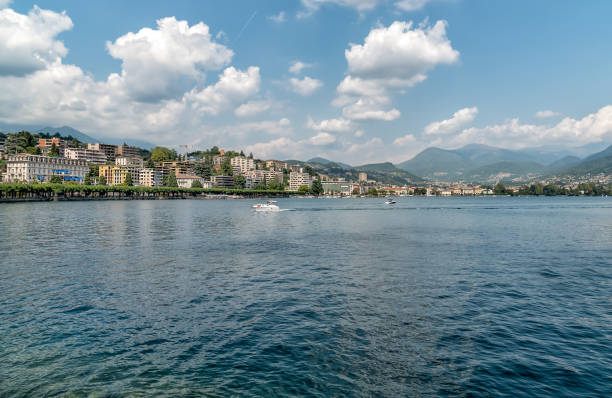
(311, 6)
(252, 108)
(297, 66)
(279, 18)
(546, 114)
(459, 119)
(411, 5)
(161, 63)
(28, 43)
(322, 139)
(339, 125)
(391, 59)
(305, 86)
(405, 140)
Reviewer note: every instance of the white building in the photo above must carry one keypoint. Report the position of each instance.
(185, 181)
(30, 168)
(130, 161)
(296, 180)
(88, 155)
(243, 163)
(150, 178)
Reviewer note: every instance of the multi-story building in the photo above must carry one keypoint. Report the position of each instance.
(363, 177)
(30, 168)
(150, 178)
(109, 150)
(276, 165)
(2, 141)
(223, 181)
(250, 182)
(185, 181)
(270, 175)
(337, 188)
(117, 175)
(295, 168)
(129, 161)
(296, 180)
(179, 167)
(127, 151)
(243, 164)
(45, 145)
(88, 155)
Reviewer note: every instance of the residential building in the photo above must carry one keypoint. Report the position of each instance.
(127, 151)
(186, 181)
(276, 165)
(30, 168)
(218, 159)
(88, 155)
(270, 175)
(179, 167)
(223, 182)
(250, 182)
(117, 175)
(337, 188)
(150, 178)
(243, 164)
(2, 141)
(45, 145)
(135, 161)
(363, 177)
(446, 192)
(295, 168)
(296, 180)
(109, 150)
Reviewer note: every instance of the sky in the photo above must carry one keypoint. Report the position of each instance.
(356, 81)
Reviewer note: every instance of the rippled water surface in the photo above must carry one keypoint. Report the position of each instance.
(338, 297)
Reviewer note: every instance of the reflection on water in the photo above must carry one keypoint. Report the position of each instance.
(430, 297)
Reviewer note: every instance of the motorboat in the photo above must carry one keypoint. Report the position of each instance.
(390, 201)
(268, 206)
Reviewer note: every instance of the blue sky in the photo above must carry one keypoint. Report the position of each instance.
(382, 79)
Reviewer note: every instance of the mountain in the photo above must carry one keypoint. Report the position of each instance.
(437, 163)
(66, 131)
(484, 154)
(326, 161)
(562, 164)
(600, 162)
(503, 170)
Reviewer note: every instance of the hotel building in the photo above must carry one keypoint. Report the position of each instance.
(30, 168)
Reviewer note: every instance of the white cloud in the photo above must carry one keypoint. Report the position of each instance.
(546, 114)
(297, 66)
(5, 3)
(252, 108)
(405, 140)
(359, 133)
(280, 18)
(411, 5)
(305, 86)
(162, 63)
(28, 42)
(390, 59)
(459, 119)
(310, 6)
(331, 125)
(322, 139)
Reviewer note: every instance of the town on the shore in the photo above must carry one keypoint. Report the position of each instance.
(44, 159)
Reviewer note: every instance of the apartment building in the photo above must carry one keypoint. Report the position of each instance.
(363, 177)
(30, 168)
(127, 151)
(110, 151)
(186, 181)
(242, 164)
(337, 188)
(276, 165)
(117, 175)
(88, 155)
(45, 145)
(223, 182)
(129, 161)
(150, 178)
(296, 180)
(2, 141)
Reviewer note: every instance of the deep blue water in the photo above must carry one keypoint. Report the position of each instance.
(339, 297)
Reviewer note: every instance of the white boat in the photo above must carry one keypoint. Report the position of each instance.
(390, 202)
(268, 206)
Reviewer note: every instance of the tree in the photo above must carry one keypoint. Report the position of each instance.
(55, 179)
(239, 181)
(275, 185)
(196, 184)
(317, 187)
(171, 181)
(203, 169)
(250, 155)
(372, 192)
(420, 191)
(499, 189)
(304, 189)
(54, 151)
(310, 171)
(128, 180)
(101, 180)
(150, 164)
(162, 154)
(87, 179)
(260, 186)
(356, 191)
(241, 153)
(226, 168)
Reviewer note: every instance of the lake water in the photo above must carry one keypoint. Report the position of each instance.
(336, 297)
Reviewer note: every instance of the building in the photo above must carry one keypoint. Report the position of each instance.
(250, 182)
(2, 141)
(186, 181)
(45, 145)
(30, 168)
(129, 161)
(295, 168)
(363, 177)
(276, 165)
(242, 164)
(127, 151)
(109, 150)
(117, 175)
(88, 155)
(337, 188)
(223, 182)
(296, 180)
(270, 175)
(179, 167)
(150, 178)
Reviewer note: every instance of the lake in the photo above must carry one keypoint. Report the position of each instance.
(333, 297)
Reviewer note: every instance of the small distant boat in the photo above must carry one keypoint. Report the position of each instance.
(268, 206)
(390, 201)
